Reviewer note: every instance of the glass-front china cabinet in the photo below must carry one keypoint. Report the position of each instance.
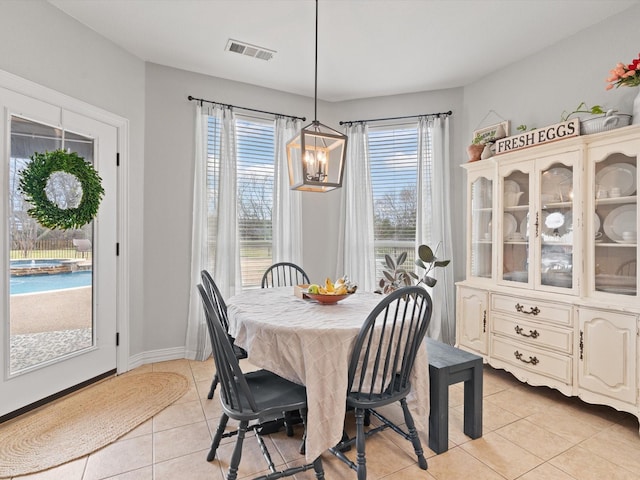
(551, 290)
(539, 234)
(614, 207)
(480, 225)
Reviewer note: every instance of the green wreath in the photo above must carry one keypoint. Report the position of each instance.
(33, 183)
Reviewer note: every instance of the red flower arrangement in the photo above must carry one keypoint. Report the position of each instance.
(627, 75)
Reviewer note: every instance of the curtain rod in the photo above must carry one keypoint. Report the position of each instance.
(201, 100)
(397, 118)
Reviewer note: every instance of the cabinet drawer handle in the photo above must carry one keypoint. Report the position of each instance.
(532, 333)
(532, 311)
(532, 360)
(484, 322)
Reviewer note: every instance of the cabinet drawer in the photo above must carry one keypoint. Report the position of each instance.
(534, 334)
(528, 308)
(534, 360)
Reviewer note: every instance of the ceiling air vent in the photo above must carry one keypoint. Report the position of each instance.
(249, 50)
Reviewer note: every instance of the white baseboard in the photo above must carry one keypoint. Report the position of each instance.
(154, 356)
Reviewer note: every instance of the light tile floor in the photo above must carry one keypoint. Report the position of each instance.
(530, 433)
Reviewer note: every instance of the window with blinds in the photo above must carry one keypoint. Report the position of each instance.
(394, 163)
(255, 180)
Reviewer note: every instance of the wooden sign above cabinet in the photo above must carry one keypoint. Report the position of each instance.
(552, 133)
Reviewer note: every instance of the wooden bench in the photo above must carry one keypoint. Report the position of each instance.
(449, 365)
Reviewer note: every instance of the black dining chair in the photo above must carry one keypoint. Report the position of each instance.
(255, 396)
(218, 303)
(380, 367)
(284, 274)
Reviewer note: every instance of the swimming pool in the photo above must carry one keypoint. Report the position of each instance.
(35, 263)
(43, 283)
(40, 266)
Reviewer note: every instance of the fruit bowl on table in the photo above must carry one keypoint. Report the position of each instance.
(327, 298)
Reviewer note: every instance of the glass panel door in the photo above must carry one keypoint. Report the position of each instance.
(556, 225)
(515, 227)
(616, 225)
(60, 334)
(481, 227)
(51, 274)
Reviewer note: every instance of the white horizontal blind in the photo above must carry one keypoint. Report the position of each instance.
(255, 180)
(393, 159)
(255, 196)
(213, 184)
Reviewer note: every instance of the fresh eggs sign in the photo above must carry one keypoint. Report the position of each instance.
(539, 136)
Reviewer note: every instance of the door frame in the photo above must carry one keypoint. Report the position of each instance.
(39, 92)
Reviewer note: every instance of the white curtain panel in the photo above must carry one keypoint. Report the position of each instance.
(226, 265)
(197, 344)
(434, 220)
(287, 203)
(357, 258)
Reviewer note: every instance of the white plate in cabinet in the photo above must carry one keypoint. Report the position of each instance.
(534, 309)
(536, 334)
(534, 360)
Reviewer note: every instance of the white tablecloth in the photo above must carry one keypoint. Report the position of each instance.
(311, 344)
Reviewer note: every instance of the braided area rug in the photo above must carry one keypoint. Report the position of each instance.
(84, 421)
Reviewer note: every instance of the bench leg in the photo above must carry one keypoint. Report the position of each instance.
(473, 403)
(439, 413)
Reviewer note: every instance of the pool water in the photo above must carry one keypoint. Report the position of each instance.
(43, 283)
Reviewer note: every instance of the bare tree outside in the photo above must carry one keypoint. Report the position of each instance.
(255, 204)
(25, 233)
(395, 215)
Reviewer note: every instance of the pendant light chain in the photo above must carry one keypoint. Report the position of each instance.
(315, 108)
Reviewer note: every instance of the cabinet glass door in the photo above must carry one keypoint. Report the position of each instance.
(616, 224)
(515, 231)
(555, 226)
(481, 227)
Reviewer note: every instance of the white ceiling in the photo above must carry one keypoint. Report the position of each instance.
(366, 48)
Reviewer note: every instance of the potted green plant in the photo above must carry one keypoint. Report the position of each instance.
(395, 276)
(427, 260)
(582, 108)
(598, 120)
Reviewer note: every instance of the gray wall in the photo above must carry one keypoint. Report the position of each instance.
(84, 65)
(40, 43)
(537, 89)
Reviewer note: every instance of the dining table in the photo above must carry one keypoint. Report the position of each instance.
(311, 343)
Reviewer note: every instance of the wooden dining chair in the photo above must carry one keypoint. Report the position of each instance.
(380, 368)
(247, 397)
(213, 292)
(284, 274)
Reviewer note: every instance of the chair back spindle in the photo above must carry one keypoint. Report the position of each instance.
(284, 274)
(214, 295)
(235, 393)
(386, 348)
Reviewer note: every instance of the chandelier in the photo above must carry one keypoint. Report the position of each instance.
(317, 153)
